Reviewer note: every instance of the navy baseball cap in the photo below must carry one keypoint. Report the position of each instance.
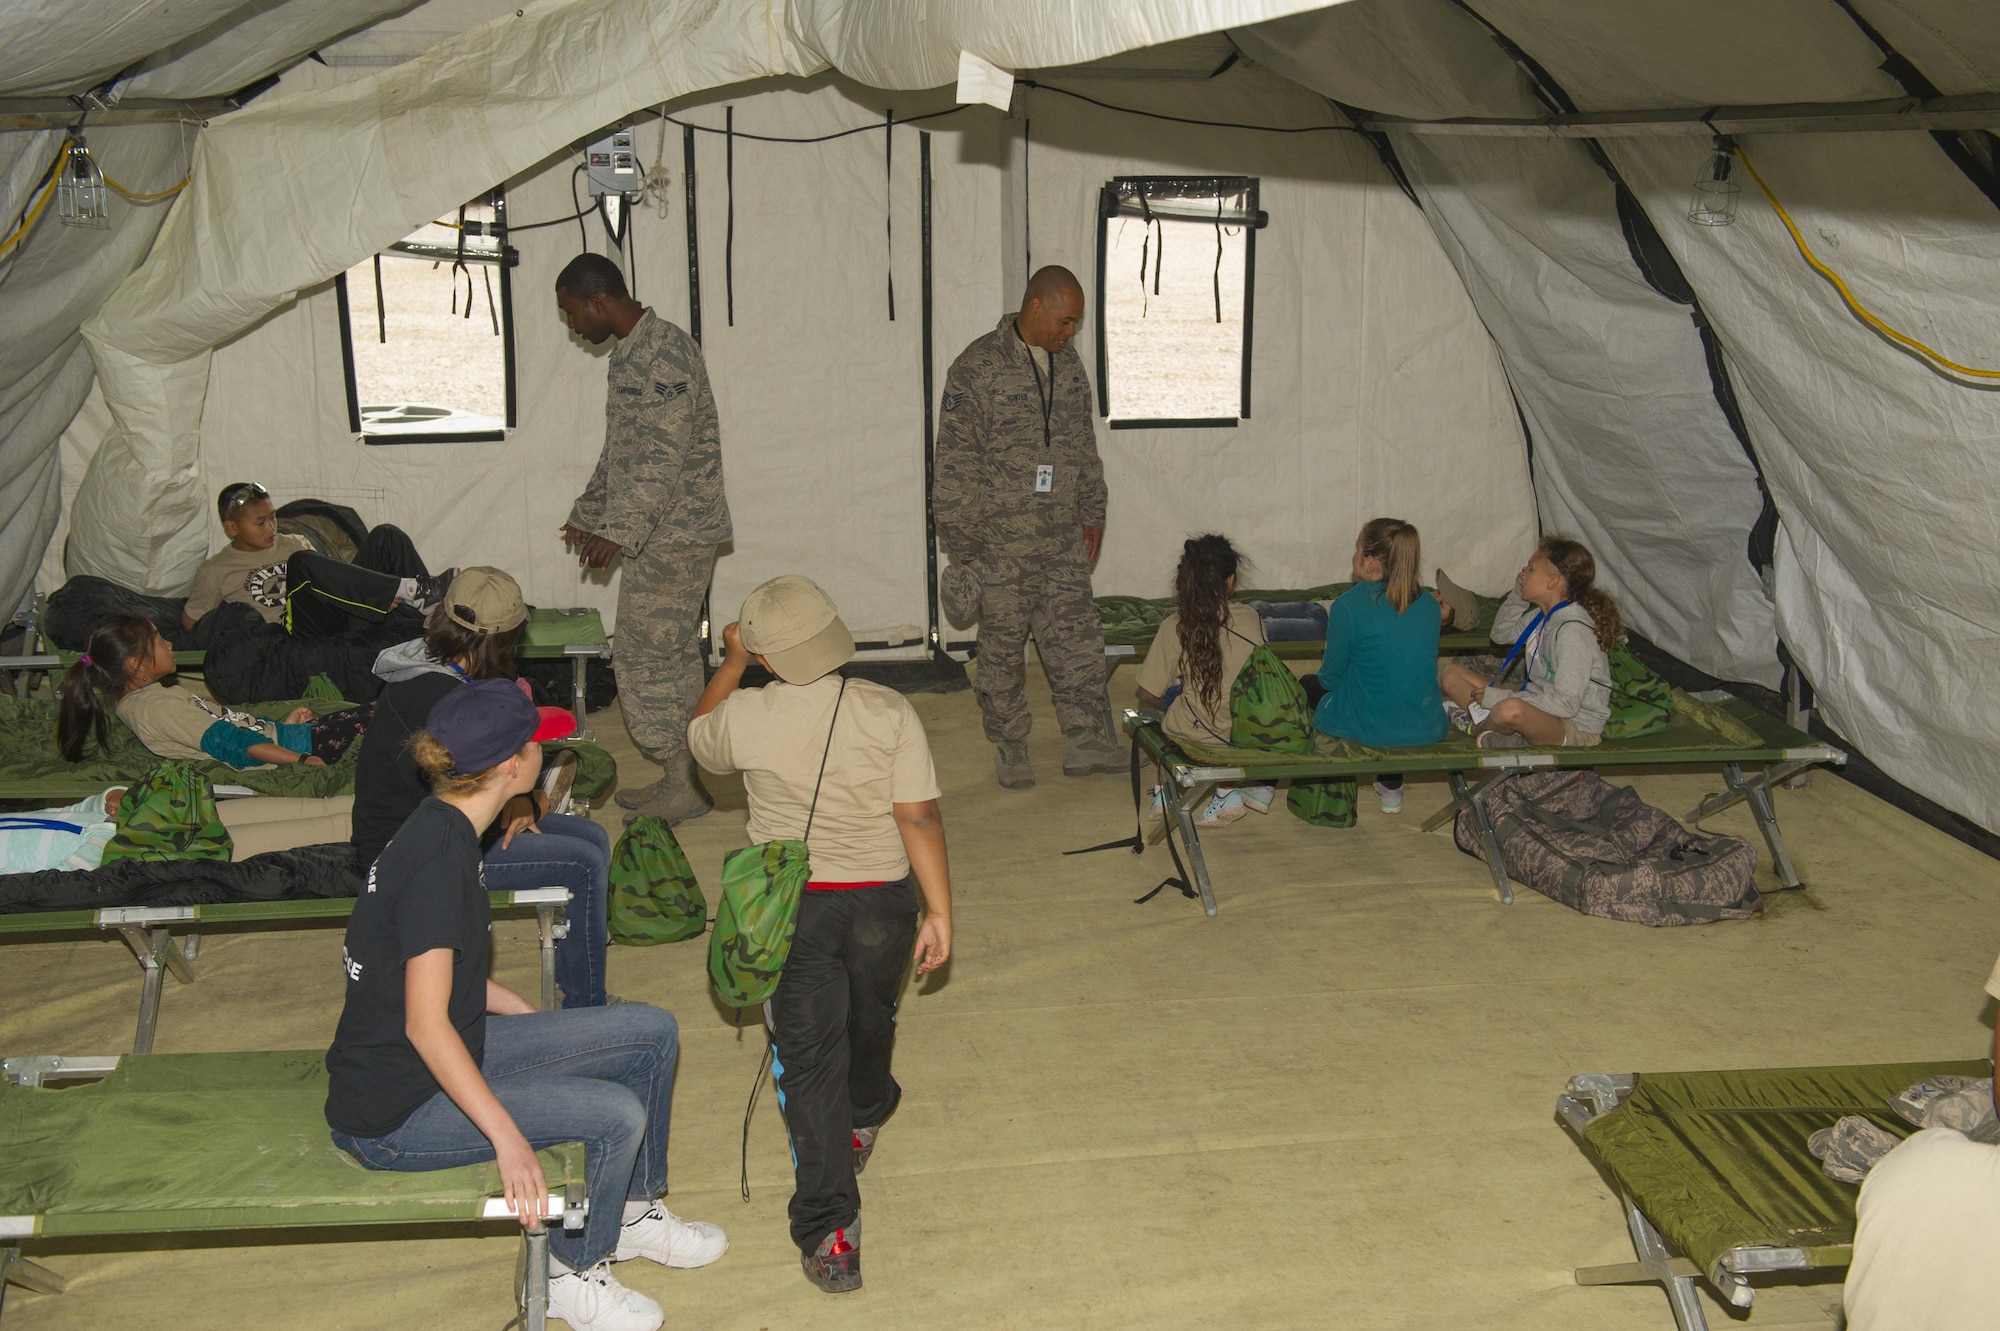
(486, 722)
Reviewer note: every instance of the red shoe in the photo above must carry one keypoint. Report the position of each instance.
(835, 1266)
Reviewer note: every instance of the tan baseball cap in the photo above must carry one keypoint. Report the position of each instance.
(794, 626)
(1464, 605)
(485, 600)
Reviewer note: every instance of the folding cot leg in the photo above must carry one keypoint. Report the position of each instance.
(535, 1294)
(579, 688)
(27, 1274)
(1757, 793)
(1470, 798)
(545, 921)
(158, 953)
(1660, 1265)
(1183, 814)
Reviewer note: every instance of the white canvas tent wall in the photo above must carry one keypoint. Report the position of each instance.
(1871, 459)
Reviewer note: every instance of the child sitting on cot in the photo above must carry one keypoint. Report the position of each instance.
(284, 579)
(1377, 682)
(1194, 660)
(1562, 623)
(127, 661)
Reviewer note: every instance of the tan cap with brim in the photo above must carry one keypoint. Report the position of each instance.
(485, 600)
(794, 626)
(1464, 605)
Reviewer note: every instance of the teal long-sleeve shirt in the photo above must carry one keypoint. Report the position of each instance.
(1380, 670)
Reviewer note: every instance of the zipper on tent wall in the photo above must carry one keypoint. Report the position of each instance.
(934, 633)
(1976, 153)
(694, 238)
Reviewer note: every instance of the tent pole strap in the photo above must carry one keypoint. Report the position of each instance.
(936, 637)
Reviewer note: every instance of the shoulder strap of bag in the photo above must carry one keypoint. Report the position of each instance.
(1522, 641)
(838, 698)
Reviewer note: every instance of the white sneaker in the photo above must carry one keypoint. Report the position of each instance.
(593, 1300)
(1226, 806)
(1258, 798)
(1392, 800)
(664, 1237)
(1157, 811)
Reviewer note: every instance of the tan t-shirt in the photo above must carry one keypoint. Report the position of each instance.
(170, 721)
(254, 577)
(1162, 669)
(879, 757)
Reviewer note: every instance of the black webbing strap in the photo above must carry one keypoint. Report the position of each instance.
(1136, 843)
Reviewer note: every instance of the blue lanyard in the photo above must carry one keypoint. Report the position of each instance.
(16, 824)
(1522, 641)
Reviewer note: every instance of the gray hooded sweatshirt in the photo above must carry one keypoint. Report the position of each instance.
(407, 660)
(1567, 674)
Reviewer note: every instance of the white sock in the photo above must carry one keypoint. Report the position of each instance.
(406, 589)
(636, 1210)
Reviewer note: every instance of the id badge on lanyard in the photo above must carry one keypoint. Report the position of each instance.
(1045, 478)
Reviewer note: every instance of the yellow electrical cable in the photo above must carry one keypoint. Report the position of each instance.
(28, 222)
(145, 198)
(1861, 311)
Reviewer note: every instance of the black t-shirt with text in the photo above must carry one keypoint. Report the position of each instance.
(426, 891)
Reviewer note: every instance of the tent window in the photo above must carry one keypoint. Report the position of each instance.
(427, 327)
(1176, 263)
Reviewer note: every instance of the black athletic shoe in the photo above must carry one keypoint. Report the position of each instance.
(835, 1266)
(431, 589)
(864, 1146)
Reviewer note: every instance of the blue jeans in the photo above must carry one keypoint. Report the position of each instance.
(601, 1076)
(574, 853)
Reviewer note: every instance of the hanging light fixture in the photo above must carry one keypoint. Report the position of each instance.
(1714, 201)
(80, 192)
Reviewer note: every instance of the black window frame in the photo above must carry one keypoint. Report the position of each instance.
(506, 259)
(1153, 197)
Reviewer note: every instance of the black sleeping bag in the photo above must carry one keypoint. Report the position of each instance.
(77, 605)
(327, 870)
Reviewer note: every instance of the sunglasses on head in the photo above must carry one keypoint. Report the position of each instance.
(237, 496)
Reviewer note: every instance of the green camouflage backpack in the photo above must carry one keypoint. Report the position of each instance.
(169, 814)
(1267, 706)
(759, 909)
(1641, 702)
(1327, 802)
(654, 895)
(755, 919)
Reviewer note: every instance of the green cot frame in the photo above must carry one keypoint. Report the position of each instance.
(1783, 751)
(576, 636)
(1712, 1172)
(118, 1158)
(148, 931)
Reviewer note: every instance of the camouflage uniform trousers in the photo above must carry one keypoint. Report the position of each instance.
(1047, 596)
(658, 650)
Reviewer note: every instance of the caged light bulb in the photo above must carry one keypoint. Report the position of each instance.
(1714, 201)
(80, 192)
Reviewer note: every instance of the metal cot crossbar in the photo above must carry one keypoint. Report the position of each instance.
(148, 931)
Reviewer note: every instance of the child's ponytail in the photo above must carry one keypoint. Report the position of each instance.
(1395, 543)
(115, 641)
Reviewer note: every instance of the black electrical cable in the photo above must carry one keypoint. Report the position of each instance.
(631, 251)
(581, 230)
(1185, 120)
(554, 221)
(889, 195)
(729, 215)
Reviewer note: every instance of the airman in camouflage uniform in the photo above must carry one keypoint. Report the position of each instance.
(1020, 500)
(657, 497)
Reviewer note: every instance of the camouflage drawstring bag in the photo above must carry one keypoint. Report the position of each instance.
(1268, 707)
(759, 908)
(1641, 702)
(654, 895)
(169, 814)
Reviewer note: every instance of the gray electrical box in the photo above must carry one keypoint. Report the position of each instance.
(613, 165)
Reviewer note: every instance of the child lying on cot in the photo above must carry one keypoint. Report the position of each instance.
(127, 660)
(1194, 660)
(1562, 624)
(69, 838)
(284, 579)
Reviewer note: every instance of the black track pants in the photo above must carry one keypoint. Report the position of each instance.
(326, 596)
(833, 1024)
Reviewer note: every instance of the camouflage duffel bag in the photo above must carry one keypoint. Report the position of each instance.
(755, 919)
(1602, 850)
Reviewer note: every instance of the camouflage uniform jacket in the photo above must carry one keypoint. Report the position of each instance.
(659, 478)
(991, 439)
